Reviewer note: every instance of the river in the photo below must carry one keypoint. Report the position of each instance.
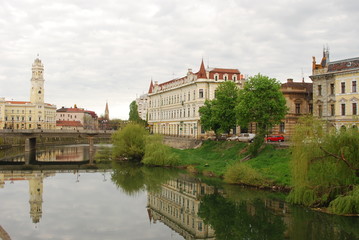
(46, 198)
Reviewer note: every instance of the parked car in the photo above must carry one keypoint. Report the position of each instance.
(246, 137)
(275, 138)
(233, 138)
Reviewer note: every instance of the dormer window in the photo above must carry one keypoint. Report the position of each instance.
(216, 77)
(234, 78)
(225, 77)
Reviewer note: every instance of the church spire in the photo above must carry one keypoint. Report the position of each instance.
(107, 112)
(202, 71)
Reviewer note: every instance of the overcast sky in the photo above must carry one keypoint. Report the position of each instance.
(95, 51)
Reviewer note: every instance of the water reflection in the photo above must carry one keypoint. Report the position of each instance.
(197, 210)
(156, 201)
(177, 205)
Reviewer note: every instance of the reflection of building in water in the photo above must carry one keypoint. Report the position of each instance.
(177, 204)
(63, 154)
(72, 154)
(35, 189)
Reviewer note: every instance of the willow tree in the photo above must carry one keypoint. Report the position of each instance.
(325, 167)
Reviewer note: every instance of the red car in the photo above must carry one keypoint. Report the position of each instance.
(276, 138)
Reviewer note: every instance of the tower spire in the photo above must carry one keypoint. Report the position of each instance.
(107, 112)
(202, 71)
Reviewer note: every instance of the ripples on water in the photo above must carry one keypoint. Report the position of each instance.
(124, 201)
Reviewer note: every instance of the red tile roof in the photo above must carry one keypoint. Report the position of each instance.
(69, 124)
(225, 70)
(202, 71)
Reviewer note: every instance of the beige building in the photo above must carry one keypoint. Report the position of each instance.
(335, 91)
(299, 101)
(35, 114)
(76, 118)
(177, 205)
(173, 105)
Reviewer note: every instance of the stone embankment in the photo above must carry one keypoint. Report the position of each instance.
(181, 142)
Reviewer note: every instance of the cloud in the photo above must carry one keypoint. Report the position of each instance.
(93, 52)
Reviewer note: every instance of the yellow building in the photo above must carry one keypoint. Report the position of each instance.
(335, 91)
(173, 106)
(35, 114)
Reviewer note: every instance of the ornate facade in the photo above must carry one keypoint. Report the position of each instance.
(299, 101)
(335, 91)
(35, 114)
(173, 106)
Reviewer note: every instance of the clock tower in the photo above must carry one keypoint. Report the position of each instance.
(37, 82)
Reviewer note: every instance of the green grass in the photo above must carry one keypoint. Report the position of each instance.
(273, 164)
(218, 157)
(212, 156)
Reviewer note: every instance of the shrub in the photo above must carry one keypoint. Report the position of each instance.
(130, 142)
(156, 153)
(241, 173)
(346, 204)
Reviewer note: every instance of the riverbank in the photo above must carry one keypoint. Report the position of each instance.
(216, 158)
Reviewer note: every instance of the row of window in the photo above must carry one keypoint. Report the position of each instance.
(342, 108)
(342, 88)
(173, 114)
(68, 115)
(175, 99)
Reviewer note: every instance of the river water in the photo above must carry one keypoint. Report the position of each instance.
(46, 198)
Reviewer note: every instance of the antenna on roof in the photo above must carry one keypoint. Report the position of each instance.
(302, 75)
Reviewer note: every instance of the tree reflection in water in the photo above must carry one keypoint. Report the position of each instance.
(132, 179)
(240, 220)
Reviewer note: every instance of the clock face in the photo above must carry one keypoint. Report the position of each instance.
(39, 92)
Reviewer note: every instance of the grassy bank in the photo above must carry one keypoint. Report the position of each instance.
(219, 158)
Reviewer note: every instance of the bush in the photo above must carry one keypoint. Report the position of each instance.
(241, 173)
(346, 204)
(157, 153)
(129, 142)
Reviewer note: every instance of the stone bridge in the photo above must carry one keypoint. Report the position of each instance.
(30, 135)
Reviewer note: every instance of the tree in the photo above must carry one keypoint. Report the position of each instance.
(129, 142)
(262, 102)
(325, 167)
(219, 114)
(133, 115)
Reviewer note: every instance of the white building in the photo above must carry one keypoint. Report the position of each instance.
(142, 106)
(173, 106)
(33, 114)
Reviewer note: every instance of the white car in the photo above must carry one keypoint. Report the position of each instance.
(233, 138)
(246, 137)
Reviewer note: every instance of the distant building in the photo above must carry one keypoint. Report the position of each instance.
(35, 114)
(142, 102)
(104, 121)
(299, 101)
(76, 118)
(173, 106)
(335, 91)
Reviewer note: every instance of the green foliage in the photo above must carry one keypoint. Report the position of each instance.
(158, 154)
(240, 220)
(212, 156)
(346, 204)
(130, 142)
(241, 173)
(133, 115)
(103, 155)
(132, 178)
(218, 114)
(325, 165)
(261, 101)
